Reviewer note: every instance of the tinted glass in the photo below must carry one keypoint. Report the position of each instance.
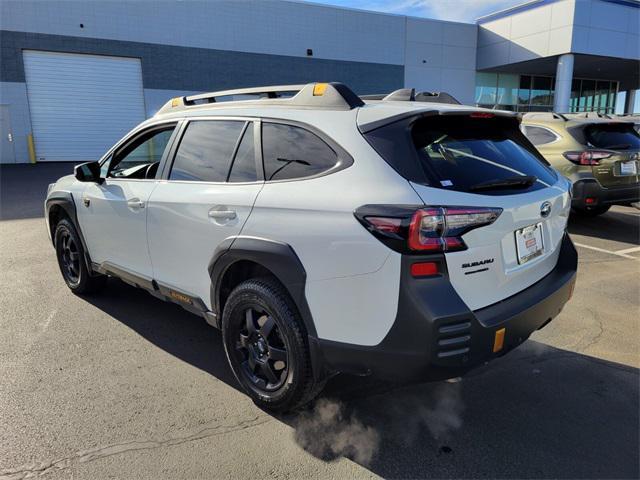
(613, 136)
(206, 150)
(244, 164)
(293, 152)
(539, 136)
(462, 153)
(146, 150)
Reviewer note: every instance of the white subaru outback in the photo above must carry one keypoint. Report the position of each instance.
(322, 233)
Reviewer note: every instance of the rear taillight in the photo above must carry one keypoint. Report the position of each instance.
(588, 157)
(424, 230)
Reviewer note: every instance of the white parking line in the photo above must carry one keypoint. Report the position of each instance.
(618, 253)
(629, 250)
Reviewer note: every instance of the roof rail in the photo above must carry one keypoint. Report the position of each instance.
(545, 116)
(410, 95)
(588, 115)
(334, 95)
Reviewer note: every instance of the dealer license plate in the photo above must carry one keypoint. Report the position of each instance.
(529, 243)
(628, 168)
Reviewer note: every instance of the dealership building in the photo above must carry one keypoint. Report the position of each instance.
(77, 75)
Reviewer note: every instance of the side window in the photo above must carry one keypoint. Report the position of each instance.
(539, 136)
(206, 150)
(293, 152)
(244, 163)
(140, 158)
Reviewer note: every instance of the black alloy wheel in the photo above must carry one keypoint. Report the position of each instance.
(70, 257)
(71, 260)
(261, 350)
(267, 346)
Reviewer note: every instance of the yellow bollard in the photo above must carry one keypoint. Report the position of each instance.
(32, 148)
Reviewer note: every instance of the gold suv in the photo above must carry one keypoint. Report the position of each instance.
(600, 155)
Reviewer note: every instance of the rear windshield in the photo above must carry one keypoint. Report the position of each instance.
(488, 156)
(613, 136)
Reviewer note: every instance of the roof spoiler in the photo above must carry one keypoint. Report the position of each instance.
(334, 95)
(410, 95)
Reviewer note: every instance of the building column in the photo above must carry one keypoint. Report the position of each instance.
(564, 78)
(630, 101)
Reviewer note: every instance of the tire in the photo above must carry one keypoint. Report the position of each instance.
(71, 260)
(592, 211)
(266, 346)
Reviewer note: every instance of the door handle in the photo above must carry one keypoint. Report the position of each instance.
(222, 214)
(135, 203)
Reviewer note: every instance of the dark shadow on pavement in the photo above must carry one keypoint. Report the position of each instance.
(616, 225)
(539, 412)
(23, 187)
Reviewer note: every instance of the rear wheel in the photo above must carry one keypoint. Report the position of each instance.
(71, 261)
(592, 211)
(266, 345)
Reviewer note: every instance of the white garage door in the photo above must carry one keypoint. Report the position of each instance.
(81, 104)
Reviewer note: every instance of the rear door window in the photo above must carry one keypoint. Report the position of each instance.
(293, 152)
(469, 154)
(613, 136)
(206, 150)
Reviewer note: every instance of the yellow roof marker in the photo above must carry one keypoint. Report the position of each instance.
(319, 89)
(498, 341)
(175, 102)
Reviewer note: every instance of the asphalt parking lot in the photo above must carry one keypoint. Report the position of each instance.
(122, 385)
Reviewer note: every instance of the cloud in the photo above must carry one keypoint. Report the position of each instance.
(454, 10)
(462, 10)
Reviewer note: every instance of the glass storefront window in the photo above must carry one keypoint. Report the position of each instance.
(601, 97)
(486, 88)
(541, 91)
(524, 93)
(507, 89)
(587, 95)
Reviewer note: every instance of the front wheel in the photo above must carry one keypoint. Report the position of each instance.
(71, 261)
(266, 345)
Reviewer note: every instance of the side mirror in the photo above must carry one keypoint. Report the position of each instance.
(88, 172)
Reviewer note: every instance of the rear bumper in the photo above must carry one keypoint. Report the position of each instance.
(584, 189)
(435, 335)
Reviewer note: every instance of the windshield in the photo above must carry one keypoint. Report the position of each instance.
(613, 136)
(482, 155)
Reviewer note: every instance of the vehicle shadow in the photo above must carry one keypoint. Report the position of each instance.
(620, 224)
(539, 412)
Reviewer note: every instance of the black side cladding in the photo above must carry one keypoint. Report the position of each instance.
(283, 262)
(279, 258)
(65, 201)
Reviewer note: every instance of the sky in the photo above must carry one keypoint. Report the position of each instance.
(454, 10)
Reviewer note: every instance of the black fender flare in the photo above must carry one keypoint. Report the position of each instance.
(283, 262)
(65, 200)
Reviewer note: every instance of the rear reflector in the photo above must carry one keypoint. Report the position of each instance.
(498, 341)
(424, 269)
(590, 200)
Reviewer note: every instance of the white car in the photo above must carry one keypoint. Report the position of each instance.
(323, 234)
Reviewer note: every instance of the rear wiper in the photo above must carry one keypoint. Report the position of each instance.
(507, 183)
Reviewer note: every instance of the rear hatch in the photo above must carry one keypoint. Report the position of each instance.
(615, 148)
(484, 161)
